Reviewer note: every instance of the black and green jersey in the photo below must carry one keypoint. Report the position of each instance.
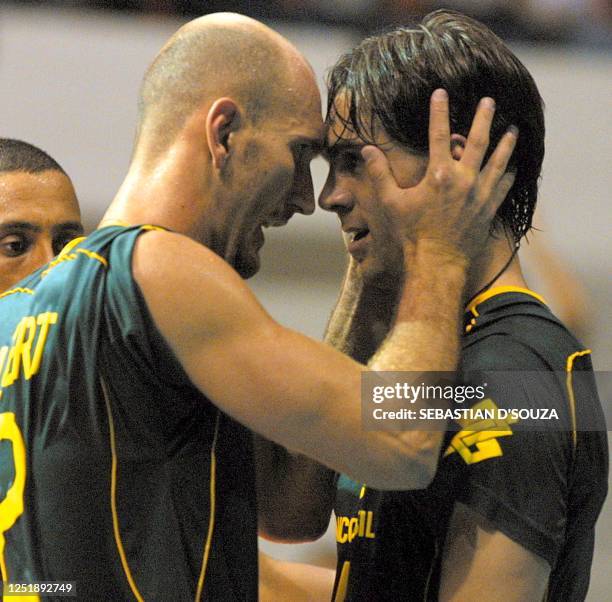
(544, 490)
(115, 472)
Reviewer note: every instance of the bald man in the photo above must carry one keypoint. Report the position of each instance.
(39, 211)
(136, 366)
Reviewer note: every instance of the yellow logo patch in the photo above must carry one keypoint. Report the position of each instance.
(478, 439)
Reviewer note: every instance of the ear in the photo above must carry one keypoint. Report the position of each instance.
(222, 119)
(458, 143)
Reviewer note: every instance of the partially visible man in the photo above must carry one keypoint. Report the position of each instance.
(136, 366)
(510, 514)
(39, 211)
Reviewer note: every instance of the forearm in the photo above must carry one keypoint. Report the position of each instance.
(425, 339)
(338, 332)
(281, 581)
(361, 318)
(295, 494)
(298, 492)
(425, 334)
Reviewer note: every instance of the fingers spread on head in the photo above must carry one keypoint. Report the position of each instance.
(493, 193)
(503, 188)
(478, 138)
(499, 159)
(378, 170)
(494, 176)
(439, 128)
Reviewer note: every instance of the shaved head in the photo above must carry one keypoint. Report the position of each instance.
(223, 54)
(230, 119)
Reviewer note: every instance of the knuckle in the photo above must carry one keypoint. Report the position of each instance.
(443, 176)
(375, 173)
(480, 141)
(439, 136)
(469, 179)
(497, 168)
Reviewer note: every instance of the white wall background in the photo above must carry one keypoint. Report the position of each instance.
(68, 83)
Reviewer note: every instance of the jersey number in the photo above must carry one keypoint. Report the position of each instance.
(343, 582)
(11, 507)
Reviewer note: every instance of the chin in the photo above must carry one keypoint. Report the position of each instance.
(375, 274)
(370, 269)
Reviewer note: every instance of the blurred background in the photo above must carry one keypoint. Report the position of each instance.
(70, 72)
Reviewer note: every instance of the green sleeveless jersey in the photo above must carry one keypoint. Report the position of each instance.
(115, 472)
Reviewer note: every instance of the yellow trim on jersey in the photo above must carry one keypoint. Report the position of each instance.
(152, 227)
(70, 245)
(497, 290)
(569, 366)
(113, 497)
(121, 224)
(113, 223)
(94, 255)
(211, 520)
(66, 254)
(19, 289)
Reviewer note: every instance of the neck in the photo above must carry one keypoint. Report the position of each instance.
(164, 192)
(485, 272)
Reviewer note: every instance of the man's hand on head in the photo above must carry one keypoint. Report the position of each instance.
(452, 207)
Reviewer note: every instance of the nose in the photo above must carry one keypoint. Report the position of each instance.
(335, 196)
(43, 252)
(302, 197)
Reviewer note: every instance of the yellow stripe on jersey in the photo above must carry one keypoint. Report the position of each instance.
(19, 289)
(570, 392)
(94, 255)
(211, 520)
(113, 497)
(151, 227)
(70, 245)
(497, 290)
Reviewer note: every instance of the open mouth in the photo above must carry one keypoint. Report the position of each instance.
(358, 243)
(359, 234)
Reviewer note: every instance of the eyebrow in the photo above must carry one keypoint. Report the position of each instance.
(19, 225)
(29, 226)
(77, 226)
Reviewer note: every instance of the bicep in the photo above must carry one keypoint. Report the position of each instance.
(277, 382)
(292, 390)
(481, 563)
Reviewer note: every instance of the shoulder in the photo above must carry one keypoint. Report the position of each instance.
(516, 331)
(176, 266)
(188, 289)
(159, 254)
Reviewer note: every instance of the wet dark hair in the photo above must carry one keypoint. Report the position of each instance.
(388, 80)
(16, 155)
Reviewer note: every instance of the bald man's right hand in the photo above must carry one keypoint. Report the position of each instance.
(455, 203)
